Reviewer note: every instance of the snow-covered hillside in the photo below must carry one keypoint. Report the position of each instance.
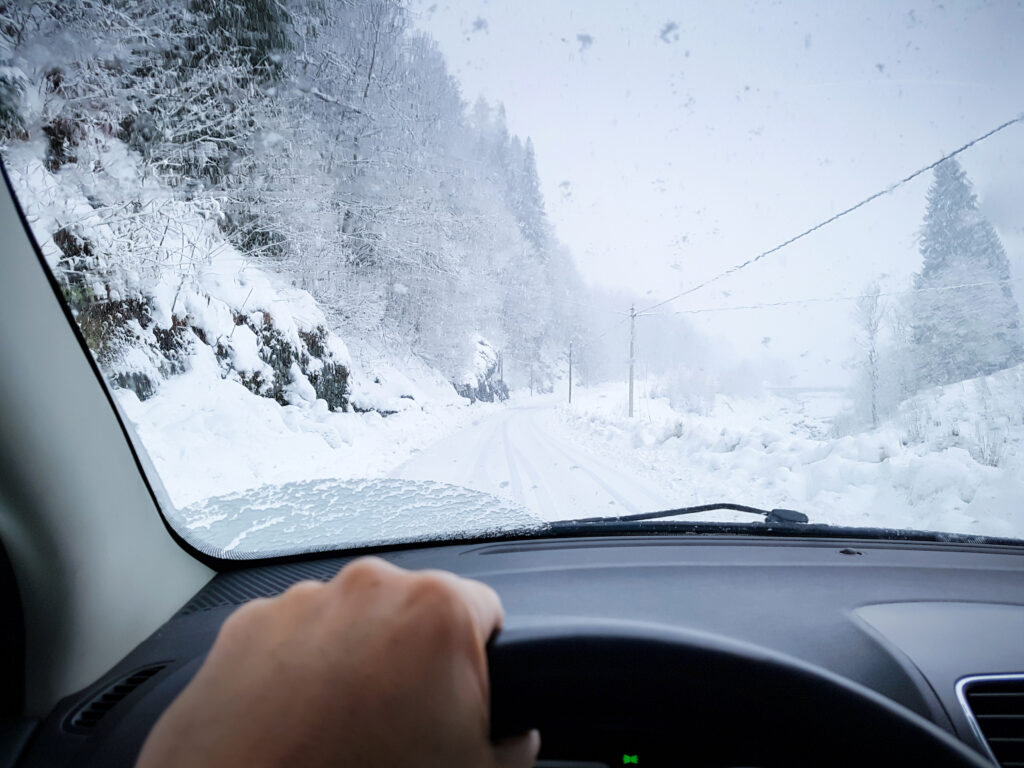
(149, 290)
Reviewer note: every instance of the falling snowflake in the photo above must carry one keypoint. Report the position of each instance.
(670, 32)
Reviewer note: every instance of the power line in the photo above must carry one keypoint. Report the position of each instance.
(837, 299)
(887, 190)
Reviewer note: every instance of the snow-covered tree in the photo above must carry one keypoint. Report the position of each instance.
(965, 320)
(329, 142)
(868, 315)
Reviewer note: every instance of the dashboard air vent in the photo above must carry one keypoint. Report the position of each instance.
(88, 716)
(995, 708)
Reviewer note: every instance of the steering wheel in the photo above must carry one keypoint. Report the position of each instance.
(625, 693)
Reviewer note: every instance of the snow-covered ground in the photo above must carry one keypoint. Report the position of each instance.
(209, 436)
(776, 450)
(779, 451)
(524, 453)
(542, 459)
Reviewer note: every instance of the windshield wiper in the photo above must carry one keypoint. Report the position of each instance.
(772, 516)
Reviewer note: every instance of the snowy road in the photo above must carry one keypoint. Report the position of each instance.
(523, 453)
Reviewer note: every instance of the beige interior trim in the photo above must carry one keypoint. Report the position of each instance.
(96, 568)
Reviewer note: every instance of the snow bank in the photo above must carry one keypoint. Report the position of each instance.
(773, 451)
(208, 435)
(481, 380)
(388, 383)
(983, 416)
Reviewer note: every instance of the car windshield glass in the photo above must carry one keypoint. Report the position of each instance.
(368, 272)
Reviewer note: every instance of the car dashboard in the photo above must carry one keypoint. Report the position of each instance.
(920, 624)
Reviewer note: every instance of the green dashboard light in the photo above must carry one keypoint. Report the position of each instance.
(631, 760)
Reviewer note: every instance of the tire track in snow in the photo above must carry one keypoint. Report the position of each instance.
(513, 469)
(544, 500)
(516, 454)
(627, 484)
(548, 444)
(480, 474)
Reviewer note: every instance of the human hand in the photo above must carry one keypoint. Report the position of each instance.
(379, 667)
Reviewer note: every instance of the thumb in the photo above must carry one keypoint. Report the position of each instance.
(518, 751)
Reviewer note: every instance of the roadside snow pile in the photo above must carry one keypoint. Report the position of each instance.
(983, 416)
(481, 380)
(768, 452)
(389, 383)
(208, 435)
(335, 514)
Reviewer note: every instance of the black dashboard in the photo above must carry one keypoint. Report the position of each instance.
(907, 621)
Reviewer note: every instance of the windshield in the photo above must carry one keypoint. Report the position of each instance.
(397, 270)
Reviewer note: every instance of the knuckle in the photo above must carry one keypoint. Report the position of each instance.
(364, 571)
(431, 589)
(243, 621)
(302, 592)
(435, 600)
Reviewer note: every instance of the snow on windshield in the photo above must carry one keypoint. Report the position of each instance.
(397, 270)
(331, 514)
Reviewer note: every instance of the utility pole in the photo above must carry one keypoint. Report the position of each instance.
(632, 354)
(570, 372)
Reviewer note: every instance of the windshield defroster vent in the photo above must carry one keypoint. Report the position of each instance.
(88, 716)
(995, 708)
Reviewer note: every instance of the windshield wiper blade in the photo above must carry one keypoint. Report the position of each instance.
(772, 516)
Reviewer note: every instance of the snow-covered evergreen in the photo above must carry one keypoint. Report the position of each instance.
(965, 320)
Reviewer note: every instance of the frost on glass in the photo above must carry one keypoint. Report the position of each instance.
(335, 514)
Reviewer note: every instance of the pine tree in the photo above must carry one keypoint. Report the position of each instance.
(529, 208)
(966, 322)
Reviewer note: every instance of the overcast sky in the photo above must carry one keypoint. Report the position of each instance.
(676, 139)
